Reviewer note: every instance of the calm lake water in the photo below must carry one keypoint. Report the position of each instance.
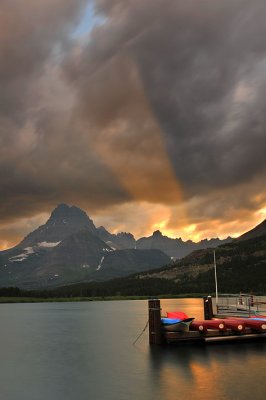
(81, 351)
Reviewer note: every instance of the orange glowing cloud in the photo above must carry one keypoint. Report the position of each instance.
(125, 134)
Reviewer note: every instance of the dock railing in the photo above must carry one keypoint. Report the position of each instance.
(243, 304)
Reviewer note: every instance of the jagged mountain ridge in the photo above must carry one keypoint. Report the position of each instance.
(174, 248)
(122, 240)
(68, 249)
(65, 220)
(177, 248)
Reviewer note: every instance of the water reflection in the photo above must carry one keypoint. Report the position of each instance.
(192, 307)
(202, 371)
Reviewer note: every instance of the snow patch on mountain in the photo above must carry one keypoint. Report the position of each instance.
(100, 265)
(108, 250)
(48, 244)
(111, 244)
(18, 258)
(22, 256)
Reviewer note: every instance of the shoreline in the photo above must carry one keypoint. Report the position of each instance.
(10, 300)
(23, 299)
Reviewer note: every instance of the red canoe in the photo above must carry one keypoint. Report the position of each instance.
(237, 325)
(203, 326)
(257, 325)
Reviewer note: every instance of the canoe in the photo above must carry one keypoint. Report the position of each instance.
(177, 314)
(237, 325)
(203, 326)
(176, 325)
(257, 324)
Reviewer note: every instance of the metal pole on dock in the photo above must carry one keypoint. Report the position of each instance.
(155, 329)
(208, 309)
(215, 272)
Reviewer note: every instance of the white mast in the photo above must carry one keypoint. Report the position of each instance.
(215, 274)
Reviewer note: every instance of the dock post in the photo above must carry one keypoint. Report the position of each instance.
(208, 309)
(155, 330)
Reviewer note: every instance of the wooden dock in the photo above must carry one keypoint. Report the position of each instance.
(158, 336)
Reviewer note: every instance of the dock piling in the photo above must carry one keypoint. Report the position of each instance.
(155, 329)
(208, 309)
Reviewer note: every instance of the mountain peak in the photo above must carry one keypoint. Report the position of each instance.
(62, 207)
(64, 211)
(157, 233)
(64, 221)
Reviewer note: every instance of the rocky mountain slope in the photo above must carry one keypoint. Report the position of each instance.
(122, 240)
(241, 267)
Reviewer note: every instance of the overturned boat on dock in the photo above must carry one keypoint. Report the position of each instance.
(176, 325)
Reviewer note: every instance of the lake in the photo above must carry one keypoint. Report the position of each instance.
(78, 351)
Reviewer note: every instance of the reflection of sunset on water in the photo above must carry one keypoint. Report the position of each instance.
(198, 371)
(213, 371)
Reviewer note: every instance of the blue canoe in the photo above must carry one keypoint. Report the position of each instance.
(175, 324)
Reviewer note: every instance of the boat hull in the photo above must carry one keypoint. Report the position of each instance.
(180, 326)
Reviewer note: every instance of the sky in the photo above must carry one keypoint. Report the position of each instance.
(148, 114)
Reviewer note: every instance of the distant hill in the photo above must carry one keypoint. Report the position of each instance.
(259, 230)
(240, 267)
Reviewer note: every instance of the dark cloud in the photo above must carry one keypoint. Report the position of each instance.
(194, 59)
(162, 102)
(43, 159)
(198, 63)
(29, 32)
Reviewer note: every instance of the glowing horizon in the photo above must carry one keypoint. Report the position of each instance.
(192, 232)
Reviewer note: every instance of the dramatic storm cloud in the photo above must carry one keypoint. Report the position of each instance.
(148, 114)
